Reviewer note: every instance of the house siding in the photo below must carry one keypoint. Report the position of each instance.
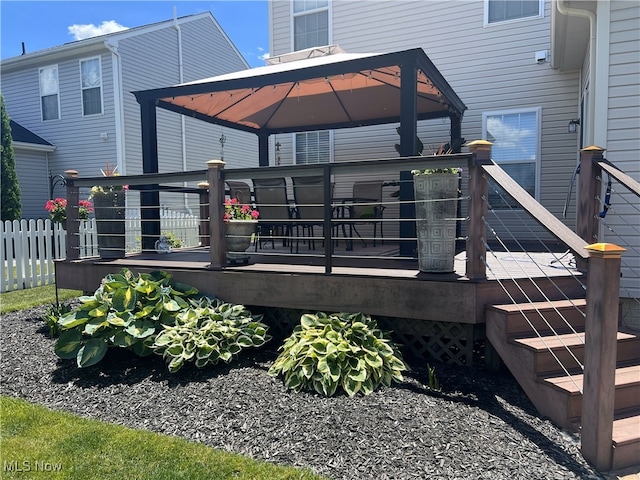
(77, 138)
(31, 168)
(623, 135)
(489, 67)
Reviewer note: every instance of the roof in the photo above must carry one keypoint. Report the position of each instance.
(94, 43)
(19, 134)
(342, 90)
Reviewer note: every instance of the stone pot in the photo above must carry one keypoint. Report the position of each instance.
(436, 220)
(238, 235)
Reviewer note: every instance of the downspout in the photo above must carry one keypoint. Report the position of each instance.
(183, 127)
(118, 106)
(577, 12)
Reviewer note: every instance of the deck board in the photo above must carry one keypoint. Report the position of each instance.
(376, 282)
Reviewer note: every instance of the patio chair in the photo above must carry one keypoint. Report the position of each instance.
(275, 213)
(367, 208)
(308, 193)
(239, 190)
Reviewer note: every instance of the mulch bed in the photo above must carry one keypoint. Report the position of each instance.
(481, 425)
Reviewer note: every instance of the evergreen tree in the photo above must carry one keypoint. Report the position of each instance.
(10, 195)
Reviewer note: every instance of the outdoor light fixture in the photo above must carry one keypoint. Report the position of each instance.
(573, 125)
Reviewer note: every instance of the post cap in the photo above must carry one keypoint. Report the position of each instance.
(593, 149)
(479, 145)
(71, 173)
(605, 249)
(215, 163)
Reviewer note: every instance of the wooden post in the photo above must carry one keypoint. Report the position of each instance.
(477, 210)
(204, 214)
(601, 328)
(73, 225)
(217, 243)
(589, 189)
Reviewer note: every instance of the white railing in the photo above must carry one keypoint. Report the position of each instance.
(28, 248)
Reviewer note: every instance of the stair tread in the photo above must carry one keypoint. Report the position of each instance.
(626, 430)
(510, 308)
(625, 376)
(562, 340)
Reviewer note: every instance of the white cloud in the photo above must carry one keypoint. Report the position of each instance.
(80, 32)
(264, 56)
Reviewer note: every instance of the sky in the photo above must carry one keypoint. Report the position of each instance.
(45, 24)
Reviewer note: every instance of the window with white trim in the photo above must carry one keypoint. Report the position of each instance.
(310, 23)
(49, 93)
(313, 147)
(515, 135)
(91, 85)
(504, 10)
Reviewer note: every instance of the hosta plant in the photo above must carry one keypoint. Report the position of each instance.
(127, 311)
(208, 333)
(347, 351)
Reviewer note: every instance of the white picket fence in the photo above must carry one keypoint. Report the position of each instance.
(28, 248)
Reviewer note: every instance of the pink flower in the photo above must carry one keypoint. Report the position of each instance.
(255, 214)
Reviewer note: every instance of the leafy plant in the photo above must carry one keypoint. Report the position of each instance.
(208, 333)
(429, 171)
(172, 240)
(434, 383)
(57, 209)
(51, 316)
(126, 311)
(326, 352)
(234, 210)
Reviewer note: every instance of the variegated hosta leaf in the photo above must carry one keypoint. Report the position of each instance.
(344, 350)
(92, 352)
(68, 344)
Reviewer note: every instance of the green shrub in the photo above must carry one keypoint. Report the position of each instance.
(172, 240)
(326, 352)
(52, 315)
(209, 333)
(126, 311)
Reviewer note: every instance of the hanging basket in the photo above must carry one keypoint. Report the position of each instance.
(109, 211)
(435, 196)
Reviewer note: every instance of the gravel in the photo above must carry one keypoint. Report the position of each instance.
(481, 425)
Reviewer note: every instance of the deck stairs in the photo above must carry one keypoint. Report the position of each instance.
(533, 358)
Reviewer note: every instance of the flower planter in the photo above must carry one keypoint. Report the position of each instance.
(109, 211)
(436, 220)
(238, 235)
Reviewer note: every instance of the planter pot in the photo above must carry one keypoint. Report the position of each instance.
(109, 211)
(436, 220)
(238, 236)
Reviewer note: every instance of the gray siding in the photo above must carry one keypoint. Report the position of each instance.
(623, 136)
(77, 138)
(31, 168)
(490, 68)
(207, 52)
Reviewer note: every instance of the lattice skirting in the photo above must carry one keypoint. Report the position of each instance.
(419, 340)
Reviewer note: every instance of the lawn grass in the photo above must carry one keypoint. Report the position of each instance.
(32, 297)
(65, 446)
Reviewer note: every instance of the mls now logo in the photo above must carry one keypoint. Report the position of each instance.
(31, 466)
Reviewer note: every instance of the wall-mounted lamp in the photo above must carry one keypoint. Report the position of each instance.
(573, 125)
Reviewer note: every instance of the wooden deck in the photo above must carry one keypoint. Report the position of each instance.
(370, 280)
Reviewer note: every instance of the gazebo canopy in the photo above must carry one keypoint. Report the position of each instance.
(338, 90)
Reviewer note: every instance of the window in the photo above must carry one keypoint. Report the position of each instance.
(313, 147)
(310, 23)
(516, 144)
(49, 97)
(503, 10)
(91, 84)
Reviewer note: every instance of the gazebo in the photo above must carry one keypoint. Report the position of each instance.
(315, 89)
